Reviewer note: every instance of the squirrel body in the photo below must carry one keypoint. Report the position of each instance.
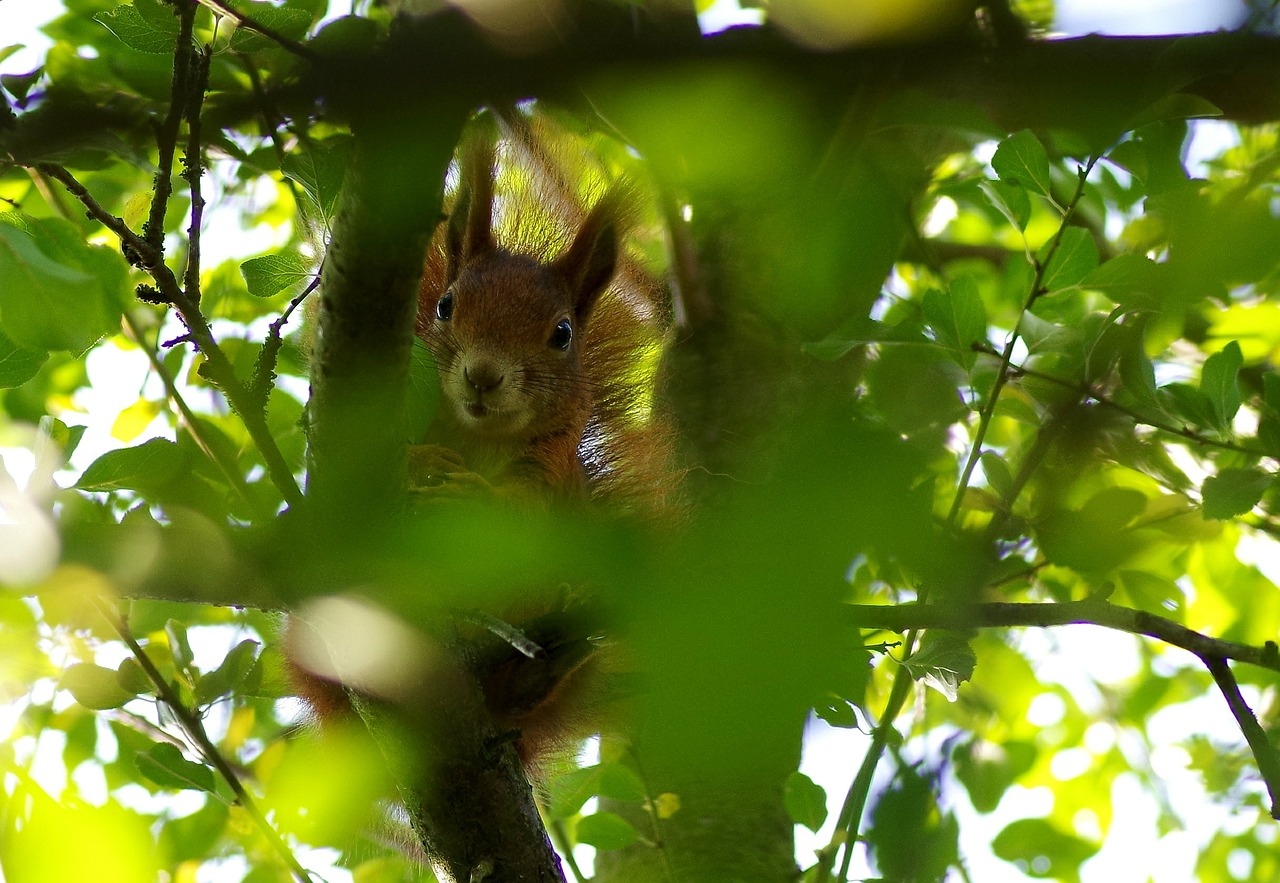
(540, 346)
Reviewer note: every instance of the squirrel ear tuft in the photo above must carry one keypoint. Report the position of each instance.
(470, 230)
(589, 263)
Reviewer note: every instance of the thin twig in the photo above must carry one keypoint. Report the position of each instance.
(167, 134)
(1264, 753)
(194, 169)
(193, 726)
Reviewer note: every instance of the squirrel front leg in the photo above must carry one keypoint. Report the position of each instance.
(438, 473)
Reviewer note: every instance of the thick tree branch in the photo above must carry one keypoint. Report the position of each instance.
(901, 617)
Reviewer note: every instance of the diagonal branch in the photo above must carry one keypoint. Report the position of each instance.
(1264, 753)
(900, 617)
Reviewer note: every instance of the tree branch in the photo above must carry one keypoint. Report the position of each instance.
(1264, 753)
(901, 617)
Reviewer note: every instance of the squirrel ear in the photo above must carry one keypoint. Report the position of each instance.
(590, 261)
(470, 225)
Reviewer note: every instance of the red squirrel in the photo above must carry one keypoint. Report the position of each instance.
(545, 359)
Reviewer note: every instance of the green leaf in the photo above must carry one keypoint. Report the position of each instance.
(1071, 262)
(144, 467)
(291, 23)
(1219, 381)
(57, 292)
(1094, 538)
(805, 800)
(1178, 106)
(165, 765)
(997, 472)
(1271, 391)
(944, 661)
(271, 274)
(836, 711)
(18, 364)
(1021, 159)
(145, 26)
(1010, 200)
(1040, 850)
(1233, 492)
(94, 686)
(1127, 278)
(229, 674)
(606, 831)
(619, 782)
(988, 769)
(179, 646)
(130, 676)
(571, 790)
(320, 170)
(957, 317)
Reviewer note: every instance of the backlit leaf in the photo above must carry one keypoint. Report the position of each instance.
(1021, 159)
(606, 831)
(806, 801)
(165, 765)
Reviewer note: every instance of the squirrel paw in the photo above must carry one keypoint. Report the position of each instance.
(439, 473)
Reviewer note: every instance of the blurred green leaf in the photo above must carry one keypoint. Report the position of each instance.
(94, 686)
(605, 831)
(1041, 850)
(229, 674)
(1220, 385)
(988, 769)
(806, 801)
(165, 765)
(56, 290)
(1233, 492)
(18, 364)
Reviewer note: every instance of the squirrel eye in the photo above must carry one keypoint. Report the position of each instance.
(444, 307)
(562, 336)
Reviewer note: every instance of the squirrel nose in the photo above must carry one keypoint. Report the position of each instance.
(482, 378)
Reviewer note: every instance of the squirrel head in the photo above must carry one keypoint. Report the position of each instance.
(507, 330)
